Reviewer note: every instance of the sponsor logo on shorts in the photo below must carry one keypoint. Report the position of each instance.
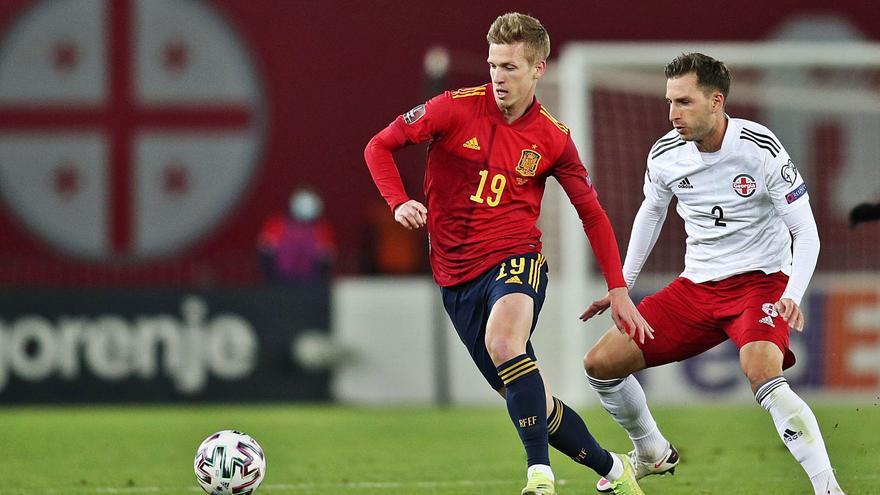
(770, 309)
(767, 321)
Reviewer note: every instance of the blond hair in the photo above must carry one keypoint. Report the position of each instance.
(513, 27)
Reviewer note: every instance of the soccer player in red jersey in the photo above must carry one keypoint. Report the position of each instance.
(492, 148)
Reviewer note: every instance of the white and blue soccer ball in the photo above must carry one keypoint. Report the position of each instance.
(230, 462)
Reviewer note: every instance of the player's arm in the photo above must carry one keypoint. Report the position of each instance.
(575, 181)
(805, 253)
(420, 124)
(645, 231)
(380, 160)
(646, 226)
(788, 192)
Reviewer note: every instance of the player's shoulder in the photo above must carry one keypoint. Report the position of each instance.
(468, 95)
(464, 101)
(548, 119)
(667, 147)
(756, 137)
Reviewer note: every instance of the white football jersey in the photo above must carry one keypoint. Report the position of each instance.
(731, 200)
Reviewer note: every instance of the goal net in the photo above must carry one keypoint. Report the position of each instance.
(822, 101)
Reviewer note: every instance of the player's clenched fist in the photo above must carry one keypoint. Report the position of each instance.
(412, 214)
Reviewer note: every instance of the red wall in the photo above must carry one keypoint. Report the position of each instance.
(335, 72)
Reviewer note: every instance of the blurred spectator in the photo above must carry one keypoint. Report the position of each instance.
(864, 212)
(297, 246)
(389, 249)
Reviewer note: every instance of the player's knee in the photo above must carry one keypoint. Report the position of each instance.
(597, 363)
(502, 349)
(759, 375)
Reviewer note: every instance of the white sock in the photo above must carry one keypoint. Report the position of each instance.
(825, 483)
(798, 429)
(541, 468)
(616, 469)
(625, 400)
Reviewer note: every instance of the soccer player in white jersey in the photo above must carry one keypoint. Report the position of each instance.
(746, 209)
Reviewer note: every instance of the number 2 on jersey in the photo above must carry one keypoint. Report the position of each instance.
(716, 210)
(496, 186)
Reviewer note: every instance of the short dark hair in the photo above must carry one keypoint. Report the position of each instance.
(711, 73)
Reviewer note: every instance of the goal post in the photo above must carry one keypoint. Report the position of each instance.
(821, 99)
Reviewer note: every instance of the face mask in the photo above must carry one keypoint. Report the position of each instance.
(305, 206)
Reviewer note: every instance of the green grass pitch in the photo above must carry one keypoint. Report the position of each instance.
(726, 449)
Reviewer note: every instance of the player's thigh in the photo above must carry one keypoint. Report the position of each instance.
(516, 296)
(509, 326)
(466, 306)
(615, 355)
(681, 317)
(757, 321)
(469, 305)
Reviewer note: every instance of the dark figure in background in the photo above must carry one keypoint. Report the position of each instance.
(864, 212)
(299, 246)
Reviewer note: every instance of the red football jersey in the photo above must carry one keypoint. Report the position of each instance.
(484, 179)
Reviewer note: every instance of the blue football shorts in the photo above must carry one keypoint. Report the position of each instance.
(469, 305)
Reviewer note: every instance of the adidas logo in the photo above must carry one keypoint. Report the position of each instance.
(685, 184)
(790, 436)
(767, 320)
(472, 144)
(513, 280)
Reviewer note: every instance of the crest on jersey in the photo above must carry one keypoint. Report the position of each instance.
(744, 185)
(415, 114)
(789, 172)
(528, 163)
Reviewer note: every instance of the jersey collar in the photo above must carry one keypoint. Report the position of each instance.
(730, 137)
(519, 123)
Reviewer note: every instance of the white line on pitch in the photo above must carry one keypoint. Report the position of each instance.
(352, 484)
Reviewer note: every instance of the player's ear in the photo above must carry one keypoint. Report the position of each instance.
(539, 68)
(717, 101)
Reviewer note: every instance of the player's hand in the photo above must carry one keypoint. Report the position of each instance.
(626, 317)
(597, 308)
(791, 312)
(412, 214)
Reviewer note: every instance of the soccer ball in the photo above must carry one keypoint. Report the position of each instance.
(229, 462)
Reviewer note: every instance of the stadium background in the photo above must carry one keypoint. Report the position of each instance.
(129, 272)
